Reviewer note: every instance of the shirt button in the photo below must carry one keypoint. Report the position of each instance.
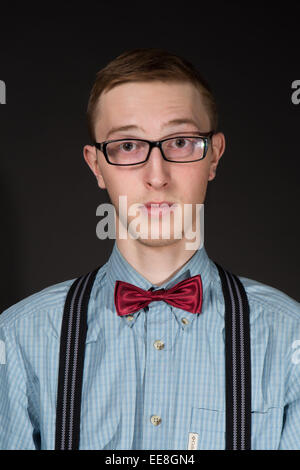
(130, 317)
(155, 420)
(158, 344)
(185, 321)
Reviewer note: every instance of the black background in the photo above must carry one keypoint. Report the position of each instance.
(249, 55)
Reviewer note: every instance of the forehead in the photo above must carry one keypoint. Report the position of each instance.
(149, 105)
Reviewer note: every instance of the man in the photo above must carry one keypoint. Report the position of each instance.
(153, 378)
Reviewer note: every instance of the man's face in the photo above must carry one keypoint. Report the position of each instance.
(148, 107)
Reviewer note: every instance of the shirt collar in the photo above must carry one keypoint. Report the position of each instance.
(118, 268)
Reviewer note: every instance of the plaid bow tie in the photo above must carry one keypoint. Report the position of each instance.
(187, 295)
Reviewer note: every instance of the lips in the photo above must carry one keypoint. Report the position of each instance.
(148, 204)
(158, 208)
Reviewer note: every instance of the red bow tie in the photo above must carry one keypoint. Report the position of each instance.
(186, 295)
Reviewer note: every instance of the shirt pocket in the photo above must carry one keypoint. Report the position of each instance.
(266, 428)
(210, 427)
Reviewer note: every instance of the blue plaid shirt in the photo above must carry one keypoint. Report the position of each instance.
(131, 383)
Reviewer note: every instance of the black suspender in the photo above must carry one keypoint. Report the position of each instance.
(71, 358)
(237, 363)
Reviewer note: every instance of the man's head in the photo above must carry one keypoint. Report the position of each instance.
(147, 89)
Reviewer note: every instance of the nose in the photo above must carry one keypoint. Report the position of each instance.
(157, 171)
(156, 154)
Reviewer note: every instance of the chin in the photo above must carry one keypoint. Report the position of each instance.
(155, 243)
(158, 236)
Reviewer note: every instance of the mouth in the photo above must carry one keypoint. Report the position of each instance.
(158, 207)
(158, 203)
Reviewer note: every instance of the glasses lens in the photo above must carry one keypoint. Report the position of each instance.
(127, 152)
(184, 148)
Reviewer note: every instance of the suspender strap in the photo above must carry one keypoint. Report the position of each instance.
(237, 362)
(72, 346)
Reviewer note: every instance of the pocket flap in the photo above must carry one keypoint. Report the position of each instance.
(266, 428)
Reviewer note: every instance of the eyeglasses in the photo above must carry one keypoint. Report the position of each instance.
(179, 149)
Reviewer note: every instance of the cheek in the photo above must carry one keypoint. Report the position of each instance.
(117, 185)
(194, 183)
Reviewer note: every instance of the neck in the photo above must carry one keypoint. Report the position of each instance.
(156, 261)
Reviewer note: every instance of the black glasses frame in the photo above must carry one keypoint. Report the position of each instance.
(206, 136)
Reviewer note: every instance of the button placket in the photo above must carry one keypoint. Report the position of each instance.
(161, 329)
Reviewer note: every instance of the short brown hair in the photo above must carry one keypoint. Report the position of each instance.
(148, 64)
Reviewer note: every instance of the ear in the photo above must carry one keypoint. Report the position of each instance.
(90, 156)
(218, 148)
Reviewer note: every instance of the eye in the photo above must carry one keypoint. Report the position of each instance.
(180, 142)
(128, 146)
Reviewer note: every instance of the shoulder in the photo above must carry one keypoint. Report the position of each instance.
(43, 306)
(271, 302)
(265, 301)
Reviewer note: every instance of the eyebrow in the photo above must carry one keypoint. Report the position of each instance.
(173, 122)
